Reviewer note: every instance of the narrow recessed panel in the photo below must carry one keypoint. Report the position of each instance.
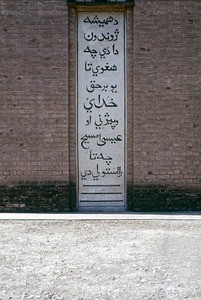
(100, 109)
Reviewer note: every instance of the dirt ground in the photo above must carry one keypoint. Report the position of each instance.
(100, 259)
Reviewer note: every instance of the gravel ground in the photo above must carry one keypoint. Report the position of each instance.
(110, 259)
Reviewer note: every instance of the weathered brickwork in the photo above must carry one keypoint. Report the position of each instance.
(38, 105)
(167, 95)
(129, 105)
(35, 197)
(34, 92)
(72, 27)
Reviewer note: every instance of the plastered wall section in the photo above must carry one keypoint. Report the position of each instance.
(34, 91)
(72, 93)
(167, 93)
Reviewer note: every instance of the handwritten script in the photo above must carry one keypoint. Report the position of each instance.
(101, 108)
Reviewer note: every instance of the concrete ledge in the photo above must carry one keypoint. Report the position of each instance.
(104, 216)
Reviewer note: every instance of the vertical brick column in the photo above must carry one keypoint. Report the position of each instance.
(129, 105)
(72, 108)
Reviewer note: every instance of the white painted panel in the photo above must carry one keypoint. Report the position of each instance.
(101, 109)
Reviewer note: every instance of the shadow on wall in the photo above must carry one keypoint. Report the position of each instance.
(165, 198)
(61, 197)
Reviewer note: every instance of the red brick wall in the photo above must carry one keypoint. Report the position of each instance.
(34, 91)
(167, 93)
